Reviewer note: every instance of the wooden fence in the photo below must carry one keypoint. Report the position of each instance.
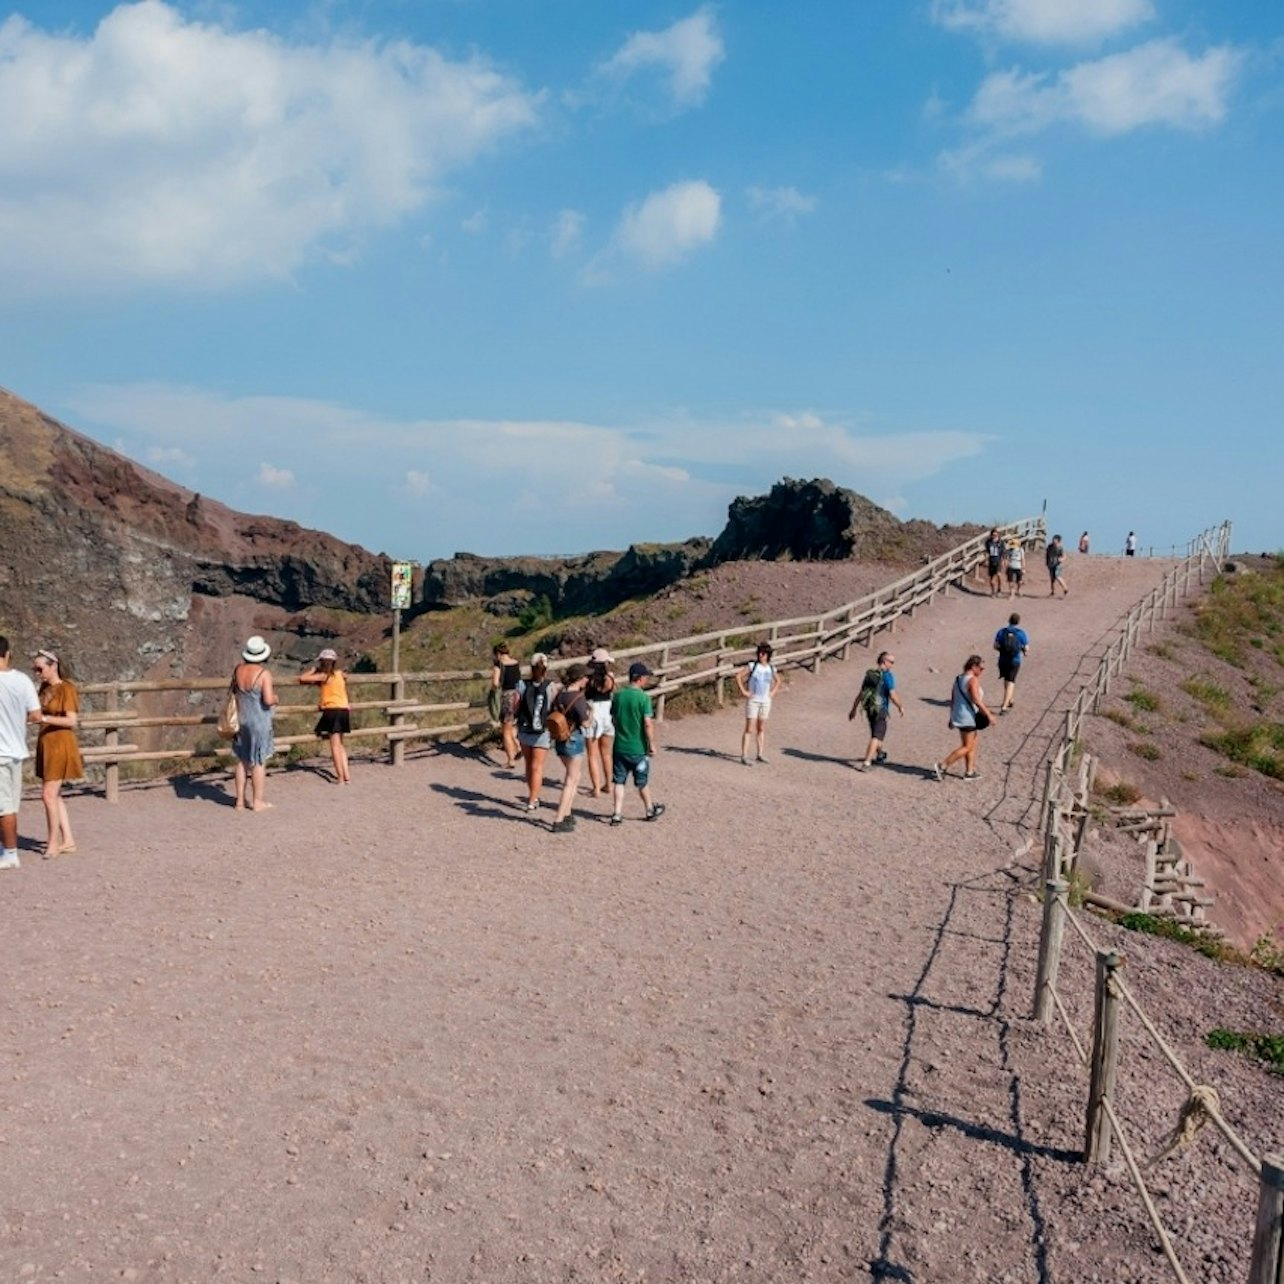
(1062, 821)
(396, 709)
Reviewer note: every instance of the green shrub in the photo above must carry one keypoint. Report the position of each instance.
(1154, 925)
(1216, 699)
(1267, 1048)
(1142, 699)
(1146, 749)
(1122, 793)
(536, 614)
(1259, 745)
(1121, 718)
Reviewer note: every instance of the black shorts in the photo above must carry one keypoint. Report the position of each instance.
(994, 565)
(334, 722)
(1008, 669)
(878, 726)
(1015, 574)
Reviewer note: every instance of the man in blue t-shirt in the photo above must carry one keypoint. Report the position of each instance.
(876, 699)
(1011, 642)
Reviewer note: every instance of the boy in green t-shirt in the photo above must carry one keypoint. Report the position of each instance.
(634, 741)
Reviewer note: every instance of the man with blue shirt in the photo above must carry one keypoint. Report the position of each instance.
(876, 696)
(1011, 642)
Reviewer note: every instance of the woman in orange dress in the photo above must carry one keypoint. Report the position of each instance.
(57, 751)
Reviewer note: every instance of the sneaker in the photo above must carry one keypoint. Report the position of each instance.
(561, 826)
(10, 861)
(656, 812)
(617, 819)
(938, 771)
(762, 757)
(971, 775)
(862, 766)
(744, 762)
(881, 756)
(570, 821)
(532, 806)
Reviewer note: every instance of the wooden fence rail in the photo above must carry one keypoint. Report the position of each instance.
(398, 708)
(1061, 814)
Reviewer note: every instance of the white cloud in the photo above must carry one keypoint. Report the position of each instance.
(567, 230)
(1043, 21)
(1157, 83)
(780, 202)
(170, 457)
(500, 485)
(418, 483)
(163, 149)
(687, 52)
(670, 224)
(476, 223)
(275, 478)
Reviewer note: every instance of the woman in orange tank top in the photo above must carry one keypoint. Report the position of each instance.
(336, 717)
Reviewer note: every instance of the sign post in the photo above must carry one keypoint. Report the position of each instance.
(399, 594)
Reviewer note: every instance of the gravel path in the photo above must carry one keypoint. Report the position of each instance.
(402, 1032)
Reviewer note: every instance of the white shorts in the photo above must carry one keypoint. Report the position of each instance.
(10, 786)
(601, 724)
(756, 710)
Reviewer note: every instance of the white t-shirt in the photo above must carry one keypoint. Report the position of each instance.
(759, 682)
(17, 699)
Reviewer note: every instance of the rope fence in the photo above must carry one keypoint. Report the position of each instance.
(1062, 819)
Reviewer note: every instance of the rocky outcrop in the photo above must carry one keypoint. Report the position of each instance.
(819, 521)
(111, 562)
(586, 585)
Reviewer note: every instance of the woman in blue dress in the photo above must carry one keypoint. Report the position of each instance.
(252, 745)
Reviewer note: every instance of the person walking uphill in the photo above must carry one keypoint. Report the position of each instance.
(877, 693)
(968, 716)
(758, 683)
(1011, 642)
(995, 555)
(634, 743)
(335, 721)
(19, 705)
(1055, 556)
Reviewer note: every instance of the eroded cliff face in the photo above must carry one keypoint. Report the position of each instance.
(132, 575)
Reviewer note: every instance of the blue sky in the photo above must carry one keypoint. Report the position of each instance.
(512, 277)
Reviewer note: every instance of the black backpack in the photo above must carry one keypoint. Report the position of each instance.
(871, 692)
(530, 712)
(1009, 644)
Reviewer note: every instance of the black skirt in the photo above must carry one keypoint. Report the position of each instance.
(334, 722)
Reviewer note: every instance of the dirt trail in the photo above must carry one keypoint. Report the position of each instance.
(402, 1032)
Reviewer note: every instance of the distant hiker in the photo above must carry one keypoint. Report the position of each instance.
(634, 743)
(335, 721)
(877, 692)
(994, 554)
(1085, 544)
(1016, 567)
(535, 695)
(1011, 642)
(600, 733)
(504, 678)
(569, 703)
(19, 705)
(1130, 544)
(253, 744)
(968, 715)
(1054, 557)
(57, 752)
(758, 683)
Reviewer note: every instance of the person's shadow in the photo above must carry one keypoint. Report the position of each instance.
(204, 789)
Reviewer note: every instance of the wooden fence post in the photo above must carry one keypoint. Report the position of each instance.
(1105, 1058)
(1267, 1266)
(397, 750)
(113, 738)
(1056, 895)
(718, 662)
(664, 665)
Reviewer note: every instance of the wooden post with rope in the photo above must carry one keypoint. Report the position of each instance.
(1105, 1058)
(1055, 898)
(1267, 1266)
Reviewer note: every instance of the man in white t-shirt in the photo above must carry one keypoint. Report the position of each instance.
(758, 682)
(19, 705)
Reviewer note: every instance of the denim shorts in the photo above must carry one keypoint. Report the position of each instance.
(624, 764)
(573, 747)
